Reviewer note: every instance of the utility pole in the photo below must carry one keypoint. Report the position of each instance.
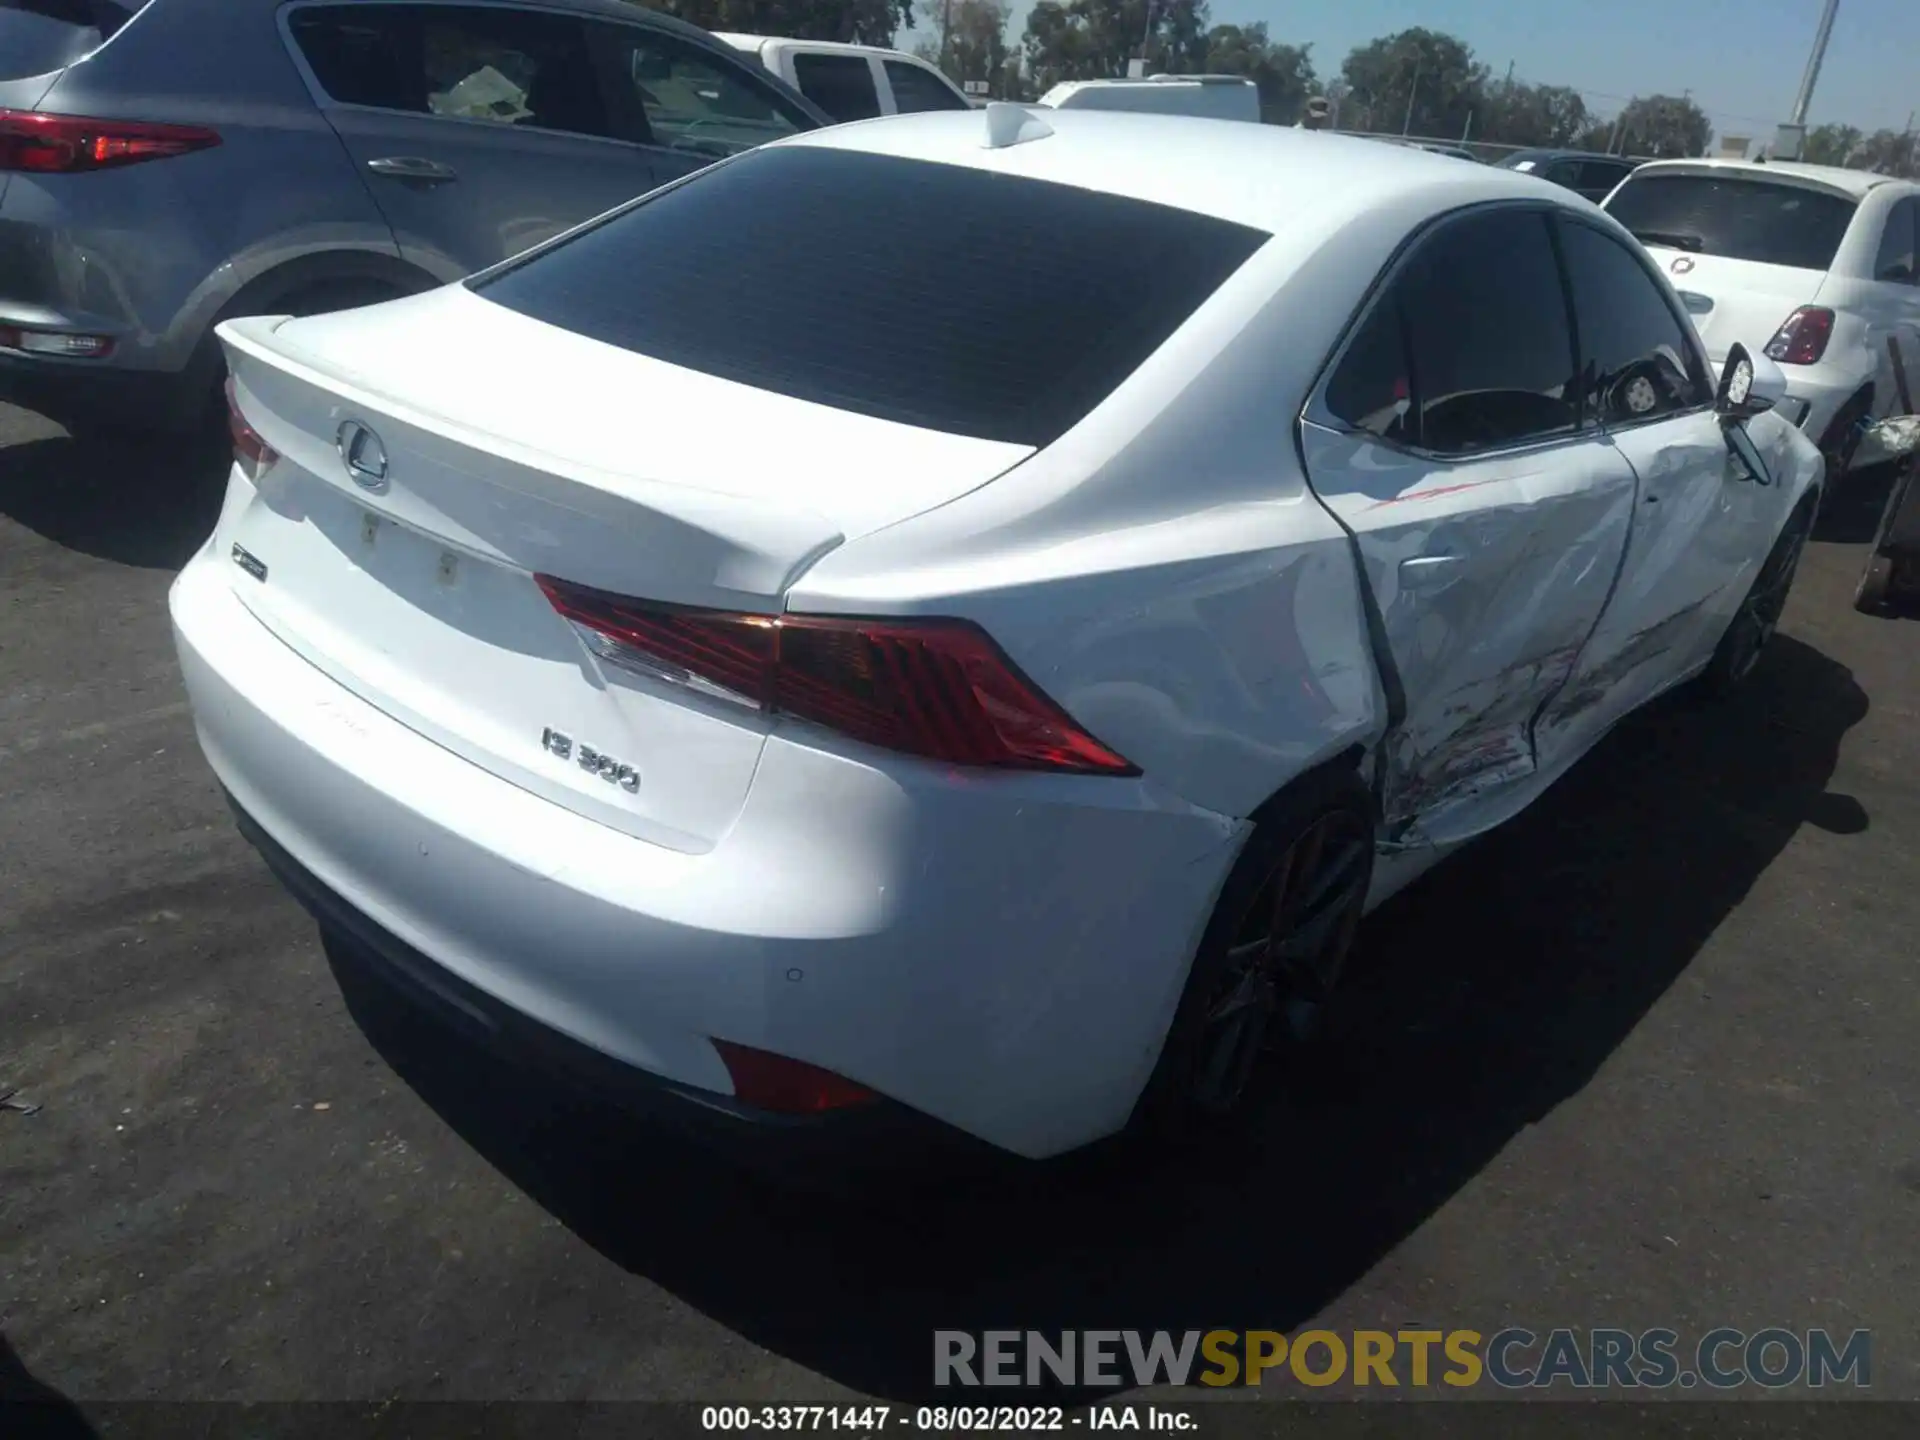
(946, 31)
(1406, 127)
(1805, 96)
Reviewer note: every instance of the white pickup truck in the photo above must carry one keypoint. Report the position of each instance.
(853, 82)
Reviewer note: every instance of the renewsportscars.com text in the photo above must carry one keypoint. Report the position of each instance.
(1513, 1358)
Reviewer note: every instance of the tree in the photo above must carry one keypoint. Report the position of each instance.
(1890, 152)
(1830, 145)
(1663, 127)
(1419, 81)
(974, 43)
(1550, 117)
(1283, 73)
(1094, 39)
(860, 22)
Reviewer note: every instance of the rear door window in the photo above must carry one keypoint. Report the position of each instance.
(690, 100)
(1488, 336)
(1600, 176)
(1897, 261)
(841, 85)
(941, 296)
(38, 37)
(486, 63)
(915, 90)
(1737, 217)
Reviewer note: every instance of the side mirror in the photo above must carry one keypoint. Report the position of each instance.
(1895, 438)
(1749, 385)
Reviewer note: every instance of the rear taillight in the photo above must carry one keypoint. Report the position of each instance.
(1802, 340)
(63, 144)
(938, 688)
(788, 1087)
(252, 454)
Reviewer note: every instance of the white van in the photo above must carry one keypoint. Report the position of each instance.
(853, 82)
(1215, 97)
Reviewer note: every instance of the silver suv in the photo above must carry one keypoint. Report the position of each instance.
(168, 164)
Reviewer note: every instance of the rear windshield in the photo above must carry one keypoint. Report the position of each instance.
(1739, 218)
(40, 36)
(935, 295)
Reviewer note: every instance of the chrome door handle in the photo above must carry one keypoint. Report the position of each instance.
(412, 167)
(1425, 570)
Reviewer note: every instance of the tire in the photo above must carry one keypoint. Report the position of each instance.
(1876, 583)
(1842, 439)
(1754, 623)
(1309, 861)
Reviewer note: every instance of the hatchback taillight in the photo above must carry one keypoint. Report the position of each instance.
(64, 144)
(1802, 340)
(252, 454)
(938, 688)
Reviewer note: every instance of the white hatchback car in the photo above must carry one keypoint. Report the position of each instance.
(1814, 265)
(944, 624)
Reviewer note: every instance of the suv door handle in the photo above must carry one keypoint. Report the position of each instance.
(412, 167)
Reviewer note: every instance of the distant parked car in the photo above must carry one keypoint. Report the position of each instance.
(1593, 176)
(1213, 97)
(1814, 265)
(165, 166)
(853, 82)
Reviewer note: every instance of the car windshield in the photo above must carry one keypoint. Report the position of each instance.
(1740, 218)
(941, 296)
(41, 36)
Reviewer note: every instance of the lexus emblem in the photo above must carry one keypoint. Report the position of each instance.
(1682, 266)
(365, 456)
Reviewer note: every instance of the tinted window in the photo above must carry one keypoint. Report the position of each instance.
(935, 295)
(1371, 388)
(507, 67)
(914, 89)
(1742, 219)
(841, 85)
(1637, 363)
(1492, 353)
(1601, 176)
(39, 36)
(1897, 260)
(691, 100)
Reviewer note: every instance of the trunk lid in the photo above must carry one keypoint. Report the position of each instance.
(1736, 300)
(513, 448)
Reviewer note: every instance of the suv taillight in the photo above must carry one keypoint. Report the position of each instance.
(64, 144)
(938, 688)
(1802, 340)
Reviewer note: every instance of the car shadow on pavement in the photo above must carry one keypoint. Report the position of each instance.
(1478, 1001)
(149, 502)
(1850, 512)
(29, 1407)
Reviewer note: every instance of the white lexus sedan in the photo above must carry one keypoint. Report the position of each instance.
(941, 626)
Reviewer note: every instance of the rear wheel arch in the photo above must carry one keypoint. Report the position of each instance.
(309, 284)
(1167, 1107)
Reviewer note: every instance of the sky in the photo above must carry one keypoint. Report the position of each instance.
(1741, 61)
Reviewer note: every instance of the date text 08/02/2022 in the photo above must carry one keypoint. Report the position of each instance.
(942, 1419)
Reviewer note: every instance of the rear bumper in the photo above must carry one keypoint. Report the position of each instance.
(1000, 954)
(846, 1145)
(98, 394)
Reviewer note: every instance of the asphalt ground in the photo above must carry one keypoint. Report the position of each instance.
(1645, 1058)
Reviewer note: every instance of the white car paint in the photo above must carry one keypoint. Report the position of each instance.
(1001, 950)
(1736, 300)
(1211, 97)
(779, 53)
